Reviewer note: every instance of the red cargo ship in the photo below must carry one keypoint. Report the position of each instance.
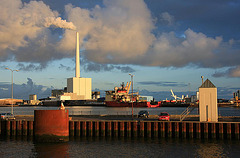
(120, 97)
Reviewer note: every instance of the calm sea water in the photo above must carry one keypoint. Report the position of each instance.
(120, 147)
(93, 110)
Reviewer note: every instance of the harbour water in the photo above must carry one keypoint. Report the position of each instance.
(93, 110)
(120, 147)
(20, 146)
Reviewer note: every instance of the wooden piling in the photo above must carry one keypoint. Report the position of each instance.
(213, 130)
(19, 128)
(176, 129)
(96, 131)
(71, 128)
(155, 129)
(184, 130)
(221, 134)
(229, 134)
(13, 126)
(30, 127)
(115, 132)
(162, 129)
(90, 128)
(8, 127)
(128, 129)
(84, 128)
(103, 133)
(205, 126)
(236, 125)
(77, 128)
(109, 128)
(169, 124)
(135, 129)
(141, 134)
(121, 129)
(25, 128)
(149, 129)
(190, 129)
(198, 130)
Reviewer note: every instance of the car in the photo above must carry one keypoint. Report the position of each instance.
(143, 113)
(164, 116)
(7, 116)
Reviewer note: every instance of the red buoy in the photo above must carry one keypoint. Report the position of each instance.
(51, 125)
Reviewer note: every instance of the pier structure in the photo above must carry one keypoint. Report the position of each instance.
(131, 128)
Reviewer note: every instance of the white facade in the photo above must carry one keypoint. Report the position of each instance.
(208, 109)
(80, 86)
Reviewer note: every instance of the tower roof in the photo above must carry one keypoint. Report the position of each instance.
(207, 84)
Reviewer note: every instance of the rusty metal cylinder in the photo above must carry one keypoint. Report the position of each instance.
(51, 125)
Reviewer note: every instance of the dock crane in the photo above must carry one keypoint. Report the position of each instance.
(175, 96)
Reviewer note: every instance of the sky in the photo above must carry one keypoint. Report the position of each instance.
(165, 44)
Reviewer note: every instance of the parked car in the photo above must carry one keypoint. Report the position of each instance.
(7, 116)
(164, 116)
(143, 113)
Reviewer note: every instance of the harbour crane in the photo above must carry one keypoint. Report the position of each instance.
(175, 96)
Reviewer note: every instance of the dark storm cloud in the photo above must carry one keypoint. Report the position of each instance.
(67, 68)
(231, 72)
(90, 66)
(31, 67)
(164, 84)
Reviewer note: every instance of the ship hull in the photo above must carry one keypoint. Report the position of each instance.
(129, 104)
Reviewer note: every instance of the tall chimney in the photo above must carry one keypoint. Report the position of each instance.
(77, 71)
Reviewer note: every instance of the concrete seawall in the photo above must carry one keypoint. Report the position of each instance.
(132, 128)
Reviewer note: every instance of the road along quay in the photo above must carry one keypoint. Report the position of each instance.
(125, 126)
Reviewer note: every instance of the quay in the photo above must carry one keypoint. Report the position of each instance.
(149, 128)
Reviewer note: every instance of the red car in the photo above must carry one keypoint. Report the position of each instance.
(164, 116)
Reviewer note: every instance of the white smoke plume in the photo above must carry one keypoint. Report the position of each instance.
(58, 23)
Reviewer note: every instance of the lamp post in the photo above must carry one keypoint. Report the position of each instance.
(132, 92)
(12, 85)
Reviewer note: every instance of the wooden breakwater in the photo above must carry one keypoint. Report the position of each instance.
(151, 129)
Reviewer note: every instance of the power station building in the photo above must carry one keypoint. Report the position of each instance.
(78, 88)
